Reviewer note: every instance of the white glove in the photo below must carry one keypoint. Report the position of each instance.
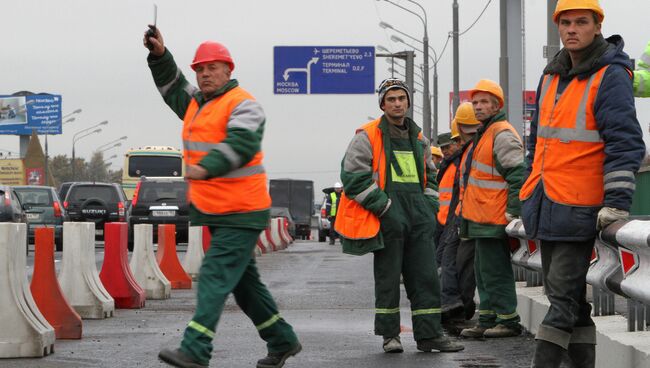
(607, 215)
(510, 217)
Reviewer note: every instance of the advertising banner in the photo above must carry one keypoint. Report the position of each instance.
(19, 115)
(35, 176)
(12, 172)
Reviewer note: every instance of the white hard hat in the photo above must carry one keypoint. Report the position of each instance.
(338, 185)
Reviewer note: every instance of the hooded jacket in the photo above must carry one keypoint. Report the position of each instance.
(618, 127)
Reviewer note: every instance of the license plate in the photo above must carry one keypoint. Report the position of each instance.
(99, 231)
(163, 213)
(32, 216)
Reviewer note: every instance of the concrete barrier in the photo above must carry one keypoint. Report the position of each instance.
(267, 240)
(194, 254)
(78, 277)
(144, 266)
(284, 232)
(24, 332)
(116, 274)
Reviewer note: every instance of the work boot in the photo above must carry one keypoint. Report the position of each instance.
(475, 332)
(583, 355)
(177, 358)
(393, 345)
(502, 331)
(442, 344)
(547, 355)
(276, 360)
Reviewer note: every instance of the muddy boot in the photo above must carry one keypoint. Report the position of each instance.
(393, 345)
(177, 358)
(474, 332)
(276, 360)
(442, 344)
(502, 331)
(583, 355)
(547, 355)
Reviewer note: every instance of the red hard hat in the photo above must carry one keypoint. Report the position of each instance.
(212, 51)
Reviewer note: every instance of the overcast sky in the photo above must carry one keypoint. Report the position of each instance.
(91, 53)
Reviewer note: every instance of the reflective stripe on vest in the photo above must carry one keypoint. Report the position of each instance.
(446, 190)
(244, 188)
(334, 203)
(569, 154)
(353, 221)
(486, 195)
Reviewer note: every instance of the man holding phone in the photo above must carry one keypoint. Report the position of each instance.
(222, 136)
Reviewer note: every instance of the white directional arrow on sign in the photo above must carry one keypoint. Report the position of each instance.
(307, 70)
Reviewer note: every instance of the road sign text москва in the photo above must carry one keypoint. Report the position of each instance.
(323, 69)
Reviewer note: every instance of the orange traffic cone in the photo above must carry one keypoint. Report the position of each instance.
(46, 290)
(169, 263)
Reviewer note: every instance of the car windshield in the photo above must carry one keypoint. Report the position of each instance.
(80, 193)
(159, 191)
(34, 196)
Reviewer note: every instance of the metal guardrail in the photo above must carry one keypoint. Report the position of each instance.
(620, 265)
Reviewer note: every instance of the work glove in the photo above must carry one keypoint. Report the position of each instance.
(510, 217)
(608, 215)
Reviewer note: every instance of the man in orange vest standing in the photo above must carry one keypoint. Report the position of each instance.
(388, 208)
(585, 147)
(222, 136)
(490, 201)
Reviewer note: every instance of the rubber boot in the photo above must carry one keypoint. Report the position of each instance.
(547, 355)
(583, 355)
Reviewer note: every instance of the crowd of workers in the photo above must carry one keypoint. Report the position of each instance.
(434, 218)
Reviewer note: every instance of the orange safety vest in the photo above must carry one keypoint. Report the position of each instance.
(569, 154)
(486, 195)
(352, 220)
(446, 190)
(461, 181)
(241, 190)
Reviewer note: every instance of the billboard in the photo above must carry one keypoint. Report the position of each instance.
(19, 115)
(12, 172)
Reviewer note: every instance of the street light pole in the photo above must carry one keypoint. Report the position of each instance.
(47, 156)
(75, 139)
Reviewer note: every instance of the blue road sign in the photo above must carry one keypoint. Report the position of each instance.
(323, 69)
(20, 115)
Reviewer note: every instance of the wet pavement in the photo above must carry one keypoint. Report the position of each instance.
(328, 298)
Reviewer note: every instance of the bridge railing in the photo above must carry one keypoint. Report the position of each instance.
(620, 265)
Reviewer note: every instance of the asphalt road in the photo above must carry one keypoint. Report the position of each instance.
(328, 298)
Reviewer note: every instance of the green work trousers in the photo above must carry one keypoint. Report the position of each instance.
(229, 267)
(407, 230)
(496, 283)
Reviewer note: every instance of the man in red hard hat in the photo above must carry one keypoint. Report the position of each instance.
(222, 136)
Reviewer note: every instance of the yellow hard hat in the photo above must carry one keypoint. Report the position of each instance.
(436, 151)
(564, 5)
(489, 86)
(464, 115)
(454, 129)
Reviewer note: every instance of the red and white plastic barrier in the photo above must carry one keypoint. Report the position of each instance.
(144, 266)
(194, 254)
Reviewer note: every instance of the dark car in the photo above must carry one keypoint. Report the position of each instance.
(284, 212)
(161, 201)
(96, 202)
(63, 189)
(42, 207)
(10, 206)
